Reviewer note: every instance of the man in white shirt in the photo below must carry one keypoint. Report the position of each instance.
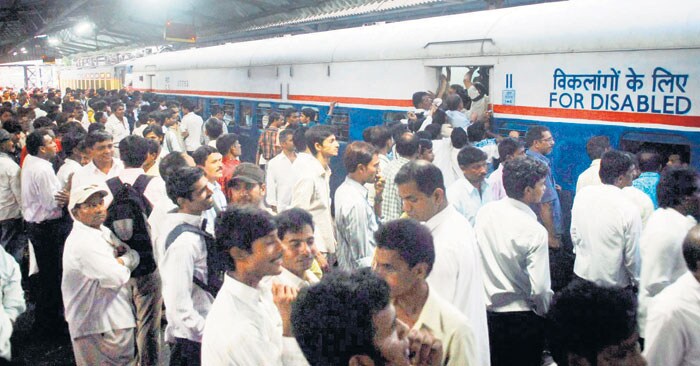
(295, 228)
(606, 226)
(312, 192)
(280, 169)
(43, 201)
(380, 137)
(662, 238)
(508, 149)
(11, 299)
(173, 137)
(673, 334)
(470, 192)
(515, 260)
(355, 219)
(407, 147)
(209, 160)
(404, 258)
(117, 125)
(186, 304)
(249, 322)
(104, 165)
(191, 125)
(595, 147)
(96, 268)
(73, 145)
(457, 273)
(12, 237)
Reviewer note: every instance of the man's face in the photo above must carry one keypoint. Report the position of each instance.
(119, 112)
(394, 270)
(520, 152)
(630, 175)
(330, 146)
(154, 137)
(236, 149)
(371, 170)
(266, 255)
(545, 144)
(299, 250)
(6, 116)
(534, 195)
(92, 212)
(417, 204)
(49, 147)
(304, 119)
(7, 146)
(286, 145)
(102, 152)
(475, 172)
(171, 121)
(391, 337)
(427, 155)
(213, 168)
(293, 119)
(201, 198)
(627, 353)
(426, 102)
(78, 112)
(242, 193)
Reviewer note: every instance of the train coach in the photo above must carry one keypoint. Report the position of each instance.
(626, 69)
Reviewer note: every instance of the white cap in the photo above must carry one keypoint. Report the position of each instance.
(80, 195)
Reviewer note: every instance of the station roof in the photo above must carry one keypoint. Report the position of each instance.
(32, 29)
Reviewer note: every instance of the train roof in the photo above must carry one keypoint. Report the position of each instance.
(562, 27)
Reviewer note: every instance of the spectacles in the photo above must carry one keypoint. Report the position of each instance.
(548, 139)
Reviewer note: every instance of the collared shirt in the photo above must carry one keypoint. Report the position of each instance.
(267, 143)
(590, 176)
(550, 194)
(288, 278)
(278, 185)
(673, 331)
(229, 165)
(661, 248)
(458, 119)
(220, 204)
(91, 174)
(641, 201)
(192, 123)
(244, 327)
(647, 183)
(495, 180)
(355, 225)
(490, 147)
(186, 305)
(452, 328)
(94, 294)
(12, 298)
(391, 201)
(68, 168)
(605, 230)
(312, 193)
(173, 141)
(466, 199)
(39, 186)
(515, 257)
(457, 272)
(10, 188)
(118, 129)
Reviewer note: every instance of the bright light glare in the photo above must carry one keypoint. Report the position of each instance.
(83, 27)
(14, 53)
(54, 41)
(23, 50)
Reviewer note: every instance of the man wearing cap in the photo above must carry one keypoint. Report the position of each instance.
(246, 186)
(12, 236)
(96, 269)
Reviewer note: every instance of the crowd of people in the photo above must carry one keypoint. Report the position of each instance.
(446, 244)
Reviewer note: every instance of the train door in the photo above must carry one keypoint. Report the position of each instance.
(671, 148)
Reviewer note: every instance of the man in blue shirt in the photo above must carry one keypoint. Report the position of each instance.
(540, 142)
(650, 164)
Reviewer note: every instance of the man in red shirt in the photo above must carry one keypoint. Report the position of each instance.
(229, 146)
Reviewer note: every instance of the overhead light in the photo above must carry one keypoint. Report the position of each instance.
(14, 53)
(54, 41)
(83, 28)
(41, 36)
(23, 50)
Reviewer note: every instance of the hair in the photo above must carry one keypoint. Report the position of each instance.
(470, 155)
(12, 126)
(439, 117)
(4, 110)
(180, 183)
(691, 248)
(452, 102)
(285, 133)
(161, 116)
(458, 137)
(288, 112)
(35, 140)
(188, 104)
(98, 116)
(42, 122)
(585, 318)
(308, 112)
(153, 146)
(94, 127)
(424, 140)
(597, 146)
(476, 131)
(508, 146)
(377, 136)
(299, 138)
(427, 176)
(274, 116)
(407, 144)
(316, 135)
(293, 220)
(613, 164)
(418, 98)
(71, 141)
(171, 163)
(410, 238)
(133, 150)
(675, 185)
(240, 227)
(521, 173)
(433, 130)
(96, 137)
(202, 153)
(649, 161)
(115, 105)
(358, 153)
(225, 142)
(214, 128)
(158, 130)
(533, 134)
(334, 320)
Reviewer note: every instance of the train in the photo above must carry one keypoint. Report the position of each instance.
(626, 69)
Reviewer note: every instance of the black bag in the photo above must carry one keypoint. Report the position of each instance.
(127, 218)
(215, 266)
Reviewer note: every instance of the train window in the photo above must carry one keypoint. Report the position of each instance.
(229, 112)
(478, 73)
(246, 115)
(262, 113)
(340, 122)
(664, 144)
(390, 117)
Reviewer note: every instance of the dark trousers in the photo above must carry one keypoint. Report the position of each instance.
(48, 239)
(13, 238)
(185, 352)
(516, 338)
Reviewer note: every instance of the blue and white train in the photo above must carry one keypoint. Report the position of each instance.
(627, 69)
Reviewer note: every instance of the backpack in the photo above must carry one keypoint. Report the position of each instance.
(215, 264)
(127, 217)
